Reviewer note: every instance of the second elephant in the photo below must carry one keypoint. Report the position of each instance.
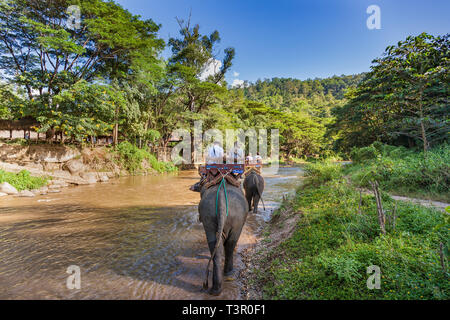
(254, 187)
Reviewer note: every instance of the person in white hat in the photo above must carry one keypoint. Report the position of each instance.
(236, 154)
(215, 153)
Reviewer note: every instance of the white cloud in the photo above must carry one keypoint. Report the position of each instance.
(211, 69)
(237, 83)
(235, 74)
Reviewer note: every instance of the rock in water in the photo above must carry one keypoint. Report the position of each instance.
(26, 193)
(43, 190)
(90, 177)
(74, 166)
(59, 183)
(2, 194)
(5, 187)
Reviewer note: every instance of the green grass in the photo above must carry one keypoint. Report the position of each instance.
(321, 172)
(334, 242)
(328, 254)
(132, 158)
(23, 180)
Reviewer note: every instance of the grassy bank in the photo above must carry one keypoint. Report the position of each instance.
(23, 180)
(336, 237)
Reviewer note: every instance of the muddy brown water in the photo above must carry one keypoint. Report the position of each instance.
(133, 238)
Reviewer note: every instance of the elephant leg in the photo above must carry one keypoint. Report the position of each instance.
(256, 199)
(217, 268)
(230, 244)
(249, 200)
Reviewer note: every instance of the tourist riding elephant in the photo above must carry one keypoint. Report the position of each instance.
(254, 187)
(222, 226)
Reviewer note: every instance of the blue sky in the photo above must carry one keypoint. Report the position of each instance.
(297, 38)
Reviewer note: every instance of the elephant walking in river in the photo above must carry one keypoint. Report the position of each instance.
(223, 212)
(254, 187)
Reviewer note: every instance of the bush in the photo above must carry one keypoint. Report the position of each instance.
(320, 172)
(132, 159)
(404, 171)
(23, 180)
(161, 166)
(359, 155)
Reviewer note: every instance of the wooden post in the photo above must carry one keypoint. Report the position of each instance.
(10, 134)
(381, 216)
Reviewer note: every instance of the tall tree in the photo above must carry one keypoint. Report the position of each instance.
(405, 94)
(199, 77)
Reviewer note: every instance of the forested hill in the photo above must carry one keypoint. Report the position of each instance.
(281, 93)
(300, 109)
(335, 86)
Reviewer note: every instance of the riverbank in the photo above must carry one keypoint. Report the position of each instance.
(320, 243)
(38, 169)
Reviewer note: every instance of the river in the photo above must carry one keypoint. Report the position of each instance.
(132, 238)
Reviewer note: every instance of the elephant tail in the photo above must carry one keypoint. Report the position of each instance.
(222, 213)
(256, 183)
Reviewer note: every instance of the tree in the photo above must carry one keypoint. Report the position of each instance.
(193, 56)
(405, 94)
(417, 70)
(42, 53)
(85, 109)
(9, 99)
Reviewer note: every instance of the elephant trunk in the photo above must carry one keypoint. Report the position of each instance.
(222, 208)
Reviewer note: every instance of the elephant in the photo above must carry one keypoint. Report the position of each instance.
(226, 224)
(254, 187)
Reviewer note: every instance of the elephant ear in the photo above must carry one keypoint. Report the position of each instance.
(195, 187)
